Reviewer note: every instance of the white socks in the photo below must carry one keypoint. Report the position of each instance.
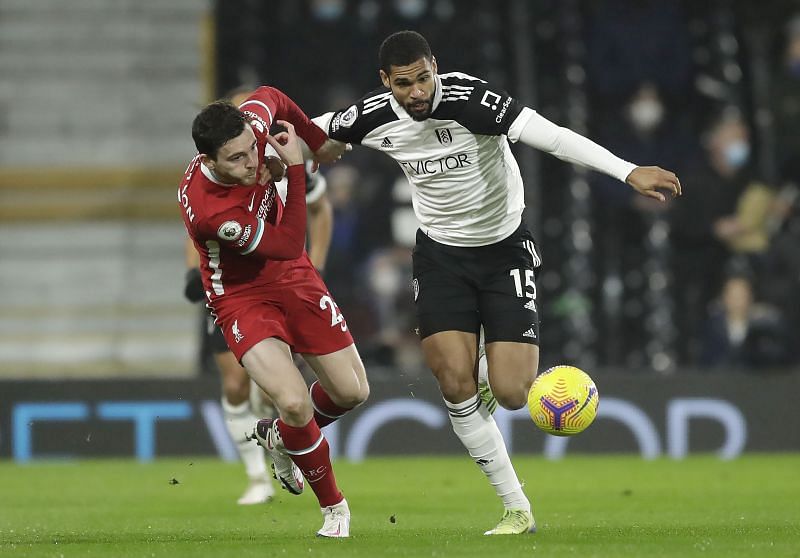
(239, 420)
(478, 431)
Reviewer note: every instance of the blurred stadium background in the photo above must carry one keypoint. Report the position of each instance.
(96, 103)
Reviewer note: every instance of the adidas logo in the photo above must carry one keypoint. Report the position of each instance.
(386, 143)
(530, 333)
(530, 305)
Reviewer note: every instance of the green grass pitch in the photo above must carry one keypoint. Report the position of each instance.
(585, 506)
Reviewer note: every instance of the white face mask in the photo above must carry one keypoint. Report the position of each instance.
(646, 114)
(737, 153)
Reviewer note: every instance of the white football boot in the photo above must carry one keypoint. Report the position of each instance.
(259, 491)
(514, 522)
(337, 521)
(283, 468)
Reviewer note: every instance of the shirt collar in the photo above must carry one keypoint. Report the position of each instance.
(208, 173)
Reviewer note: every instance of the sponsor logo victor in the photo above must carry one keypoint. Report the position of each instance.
(434, 166)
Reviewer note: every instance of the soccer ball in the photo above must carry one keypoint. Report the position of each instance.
(563, 401)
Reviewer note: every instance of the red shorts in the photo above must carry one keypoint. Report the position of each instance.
(297, 308)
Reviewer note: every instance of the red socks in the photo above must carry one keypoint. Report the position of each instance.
(325, 410)
(309, 449)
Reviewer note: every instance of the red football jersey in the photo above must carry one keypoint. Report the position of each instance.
(231, 225)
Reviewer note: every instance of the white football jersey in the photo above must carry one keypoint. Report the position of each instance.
(466, 185)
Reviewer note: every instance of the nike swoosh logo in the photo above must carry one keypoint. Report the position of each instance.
(252, 201)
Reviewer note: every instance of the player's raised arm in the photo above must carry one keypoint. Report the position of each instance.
(267, 105)
(535, 130)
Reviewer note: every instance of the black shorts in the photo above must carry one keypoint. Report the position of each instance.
(460, 289)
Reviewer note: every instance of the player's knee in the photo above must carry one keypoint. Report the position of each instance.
(511, 401)
(358, 396)
(456, 387)
(351, 395)
(236, 389)
(512, 396)
(296, 410)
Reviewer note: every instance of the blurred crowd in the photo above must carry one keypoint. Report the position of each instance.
(709, 91)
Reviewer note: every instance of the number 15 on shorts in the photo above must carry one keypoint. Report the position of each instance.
(529, 290)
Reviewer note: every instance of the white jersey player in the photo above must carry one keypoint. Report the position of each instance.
(475, 261)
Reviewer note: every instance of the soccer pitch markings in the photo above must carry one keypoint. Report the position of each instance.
(584, 506)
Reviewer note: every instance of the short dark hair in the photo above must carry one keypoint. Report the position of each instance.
(403, 48)
(215, 125)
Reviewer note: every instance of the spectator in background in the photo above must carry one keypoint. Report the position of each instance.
(745, 231)
(699, 254)
(740, 333)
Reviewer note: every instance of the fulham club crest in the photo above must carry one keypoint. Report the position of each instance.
(444, 136)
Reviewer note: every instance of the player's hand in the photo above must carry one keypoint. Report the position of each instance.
(650, 181)
(330, 152)
(272, 169)
(287, 144)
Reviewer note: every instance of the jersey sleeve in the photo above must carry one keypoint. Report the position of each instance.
(235, 228)
(352, 124)
(485, 110)
(267, 104)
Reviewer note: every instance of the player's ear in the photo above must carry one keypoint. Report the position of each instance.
(384, 78)
(207, 161)
(434, 65)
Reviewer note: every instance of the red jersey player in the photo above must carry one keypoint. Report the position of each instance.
(267, 297)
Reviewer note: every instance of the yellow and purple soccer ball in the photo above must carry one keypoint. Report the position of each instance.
(563, 401)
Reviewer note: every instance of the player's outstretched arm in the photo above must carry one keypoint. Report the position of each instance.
(533, 129)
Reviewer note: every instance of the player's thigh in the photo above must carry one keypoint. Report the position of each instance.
(508, 295)
(315, 323)
(269, 362)
(451, 356)
(512, 369)
(510, 317)
(341, 374)
(444, 297)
